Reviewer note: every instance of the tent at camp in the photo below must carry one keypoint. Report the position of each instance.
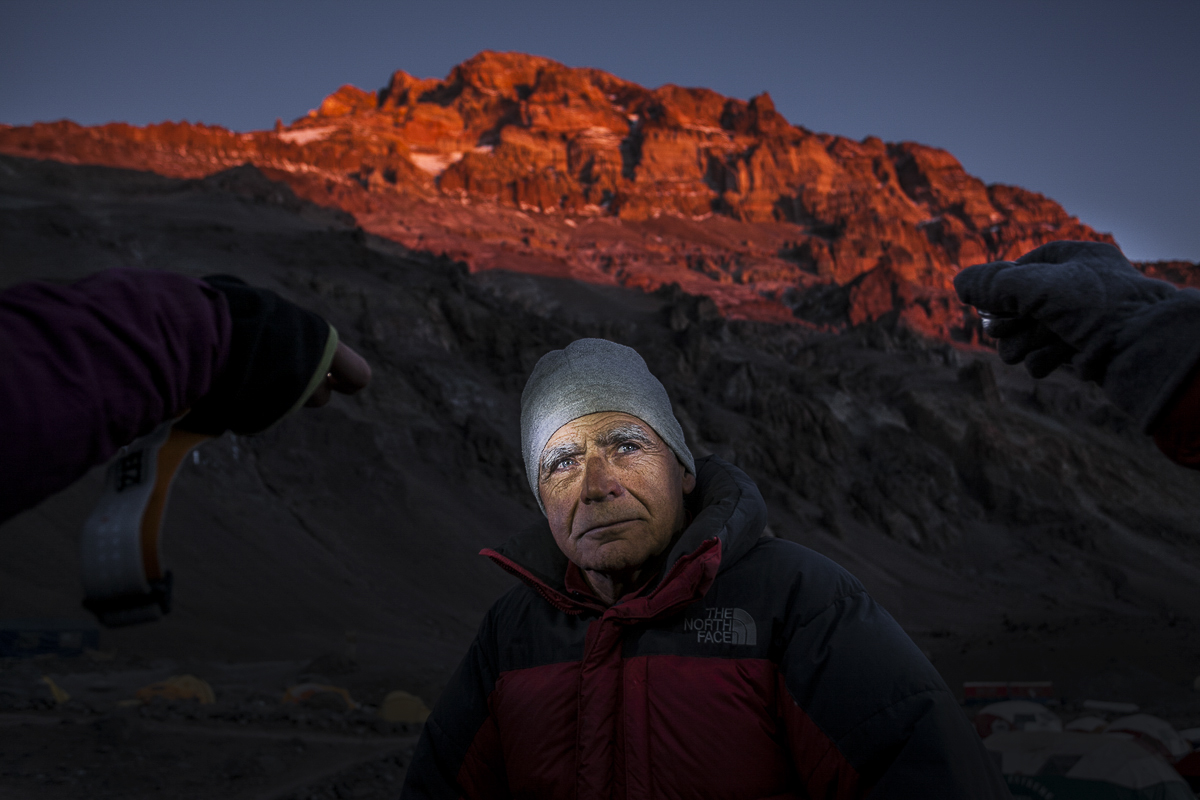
(1155, 733)
(1084, 766)
(1015, 715)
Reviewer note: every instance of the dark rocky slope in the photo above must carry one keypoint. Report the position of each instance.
(1017, 530)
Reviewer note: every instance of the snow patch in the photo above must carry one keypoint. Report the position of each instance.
(306, 135)
(434, 163)
(599, 135)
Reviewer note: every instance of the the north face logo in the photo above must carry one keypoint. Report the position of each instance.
(723, 626)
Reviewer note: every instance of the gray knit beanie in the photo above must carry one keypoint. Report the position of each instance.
(587, 377)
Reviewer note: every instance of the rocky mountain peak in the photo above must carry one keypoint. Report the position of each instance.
(518, 162)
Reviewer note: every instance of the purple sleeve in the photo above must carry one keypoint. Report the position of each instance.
(88, 367)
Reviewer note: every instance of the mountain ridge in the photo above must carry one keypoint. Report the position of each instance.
(519, 162)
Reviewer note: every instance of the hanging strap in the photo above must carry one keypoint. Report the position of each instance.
(124, 580)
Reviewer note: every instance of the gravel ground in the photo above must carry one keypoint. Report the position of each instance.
(248, 744)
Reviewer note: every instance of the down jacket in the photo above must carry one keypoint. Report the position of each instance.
(755, 668)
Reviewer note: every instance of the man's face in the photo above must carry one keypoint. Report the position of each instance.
(613, 491)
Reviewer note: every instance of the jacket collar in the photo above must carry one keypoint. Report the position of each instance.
(729, 515)
(726, 505)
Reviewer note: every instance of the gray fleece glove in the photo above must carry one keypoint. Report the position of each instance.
(1083, 302)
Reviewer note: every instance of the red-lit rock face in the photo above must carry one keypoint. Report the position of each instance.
(518, 162)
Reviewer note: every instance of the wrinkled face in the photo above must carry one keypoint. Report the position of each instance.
(613, 491)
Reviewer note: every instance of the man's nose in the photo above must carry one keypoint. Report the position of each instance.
(599, 481)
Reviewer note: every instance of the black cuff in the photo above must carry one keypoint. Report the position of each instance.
(276, 349)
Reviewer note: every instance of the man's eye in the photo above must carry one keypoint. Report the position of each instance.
(628, 447)
(561, 464)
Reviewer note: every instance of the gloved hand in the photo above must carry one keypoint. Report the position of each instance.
(281, 357)
(1083, 302)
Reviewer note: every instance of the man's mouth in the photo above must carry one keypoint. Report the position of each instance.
(604, 528)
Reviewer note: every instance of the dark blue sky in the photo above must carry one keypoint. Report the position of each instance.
(1095, 104)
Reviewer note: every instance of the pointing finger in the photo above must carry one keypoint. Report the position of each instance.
(349, 371)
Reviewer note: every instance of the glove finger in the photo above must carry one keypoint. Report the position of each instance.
(1013, 349)
(1064, 252)
(1044, 360)
(1004, 327)
(975, 288)
(1095, 257)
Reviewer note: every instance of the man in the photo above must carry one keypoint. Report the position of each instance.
(1084, 304)
(658, 646)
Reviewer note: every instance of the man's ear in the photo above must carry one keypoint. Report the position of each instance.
(689, 482)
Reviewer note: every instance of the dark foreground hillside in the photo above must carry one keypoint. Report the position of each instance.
(1017, 531)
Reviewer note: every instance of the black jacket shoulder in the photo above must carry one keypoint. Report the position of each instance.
(812, 582)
